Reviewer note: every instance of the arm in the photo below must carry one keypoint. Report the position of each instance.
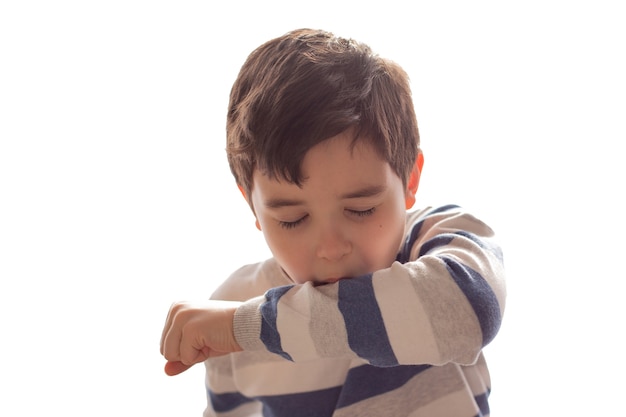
(196, 331)
(442, 301)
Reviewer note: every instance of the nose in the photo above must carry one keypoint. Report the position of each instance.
(333, 243)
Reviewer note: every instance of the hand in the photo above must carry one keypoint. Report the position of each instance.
(196, 331)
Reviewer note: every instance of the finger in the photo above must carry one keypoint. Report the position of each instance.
(194, 350)
(172, 343)
(174, 368)
(166, 327)
(171, 348)
(168, 323)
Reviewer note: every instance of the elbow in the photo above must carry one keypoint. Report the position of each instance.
(485, 294)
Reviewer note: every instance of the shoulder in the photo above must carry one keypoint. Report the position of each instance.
(449, 216)
(251, 280)
(436, 225)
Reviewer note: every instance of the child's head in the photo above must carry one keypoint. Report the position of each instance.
(300, 89)
(323, 142)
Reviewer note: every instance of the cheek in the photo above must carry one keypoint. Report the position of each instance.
(383, 240)
(289, 251)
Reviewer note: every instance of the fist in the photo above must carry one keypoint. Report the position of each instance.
(196, 331)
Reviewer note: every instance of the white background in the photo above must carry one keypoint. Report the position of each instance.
(116, 199)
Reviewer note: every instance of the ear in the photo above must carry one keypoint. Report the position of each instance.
(245, 196)
(243, 193)
(414, 180)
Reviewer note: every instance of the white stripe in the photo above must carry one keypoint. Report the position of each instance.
(282, 377)
(410, 334)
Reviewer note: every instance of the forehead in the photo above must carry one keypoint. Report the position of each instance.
(340, 149)
(337, 165)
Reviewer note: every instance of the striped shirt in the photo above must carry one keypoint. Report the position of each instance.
(403, 341)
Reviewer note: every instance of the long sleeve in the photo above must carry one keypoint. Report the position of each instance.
(441, 301)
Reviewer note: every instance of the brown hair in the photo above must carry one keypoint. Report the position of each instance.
(306, 86)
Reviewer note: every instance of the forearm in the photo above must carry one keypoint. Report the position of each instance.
(444, 306)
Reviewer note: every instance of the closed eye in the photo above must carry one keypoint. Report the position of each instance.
(291, 225)
(362, 213)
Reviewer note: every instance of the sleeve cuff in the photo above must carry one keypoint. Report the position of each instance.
(247, 324)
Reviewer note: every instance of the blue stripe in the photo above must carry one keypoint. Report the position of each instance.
(495, 249)
(367, 335)
(483, 404)
(269, 331)
(361, 383)
(227, 401)
(307, 404)
(442, 209)
(445, 239)
(368, 381)
(436, 242)
(404, 255)
(480, 296)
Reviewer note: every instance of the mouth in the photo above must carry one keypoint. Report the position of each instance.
(331, 280)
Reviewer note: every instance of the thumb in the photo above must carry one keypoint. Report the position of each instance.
(175, 367)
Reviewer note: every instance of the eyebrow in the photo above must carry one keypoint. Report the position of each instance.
(275, 203)
(369, 191)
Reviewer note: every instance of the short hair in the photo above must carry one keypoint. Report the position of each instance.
(307, 86)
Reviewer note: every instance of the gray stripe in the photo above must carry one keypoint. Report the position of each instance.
(452, 317)
(421, 390)
(326, 326)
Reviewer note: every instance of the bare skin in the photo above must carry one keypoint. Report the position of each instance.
(196, 331)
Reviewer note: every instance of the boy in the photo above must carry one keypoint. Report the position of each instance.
(365, 309)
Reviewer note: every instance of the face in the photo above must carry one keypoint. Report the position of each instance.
(346, 220)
